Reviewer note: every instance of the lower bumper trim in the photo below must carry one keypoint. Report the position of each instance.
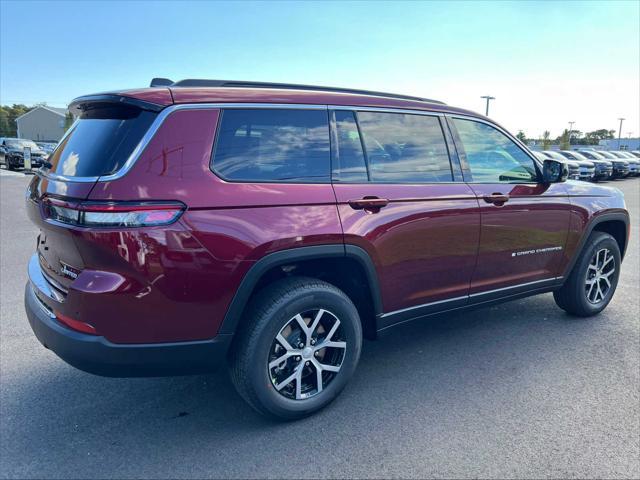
(97, 355)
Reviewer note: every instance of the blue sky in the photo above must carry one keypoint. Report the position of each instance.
(546, 62)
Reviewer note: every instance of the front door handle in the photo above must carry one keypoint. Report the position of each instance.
(370, 204)
(498, 199)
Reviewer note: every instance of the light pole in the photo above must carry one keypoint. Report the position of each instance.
(570, 130)
(488, 97)
(620, 132)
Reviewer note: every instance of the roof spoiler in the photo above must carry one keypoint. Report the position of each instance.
(88, 102)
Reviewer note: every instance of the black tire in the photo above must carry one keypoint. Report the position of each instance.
(572, 296)
(271, 310)
(9, 163)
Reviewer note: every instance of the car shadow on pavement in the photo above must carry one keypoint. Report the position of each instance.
(440, 372)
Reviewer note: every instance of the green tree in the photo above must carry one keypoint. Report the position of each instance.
(576, 137)
(522, 137)
(8, 117)
(563, 140)
(68, 120)
(546, 140)
(593, 138)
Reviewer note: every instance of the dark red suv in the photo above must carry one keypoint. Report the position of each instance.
(273, 226)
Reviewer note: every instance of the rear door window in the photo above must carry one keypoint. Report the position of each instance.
(492, 156)
(273, 145)
(100, 141)
(404, 148)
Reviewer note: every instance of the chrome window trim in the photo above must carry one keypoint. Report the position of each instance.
(155, 126)
(386, 110)
(163, 114)
(465, 297)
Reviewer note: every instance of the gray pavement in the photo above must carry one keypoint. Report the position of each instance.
(519, 390)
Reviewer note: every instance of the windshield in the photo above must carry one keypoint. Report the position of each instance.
(578, 156)
(591, 155)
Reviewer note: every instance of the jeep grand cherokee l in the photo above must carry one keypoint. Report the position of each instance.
(274, 226)
(603, 169)
(620, 165)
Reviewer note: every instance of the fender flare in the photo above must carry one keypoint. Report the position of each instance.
(283, 257)
(605, 217)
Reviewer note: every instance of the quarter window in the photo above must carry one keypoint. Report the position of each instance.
(404, 148)
(273, 145)
(351, 166)
(492, 156)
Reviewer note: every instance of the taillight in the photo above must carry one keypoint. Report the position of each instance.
(112, 214)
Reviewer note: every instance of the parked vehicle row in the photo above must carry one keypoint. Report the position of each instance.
(595, 165)
(272, 227)
(12, 153)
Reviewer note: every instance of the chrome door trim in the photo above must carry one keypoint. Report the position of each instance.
(520, 285)
(465, 297)
(422, 305)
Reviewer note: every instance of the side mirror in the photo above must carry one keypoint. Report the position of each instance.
(554, 171)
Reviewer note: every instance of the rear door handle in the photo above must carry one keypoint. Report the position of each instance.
(497, 199)
(370, 204)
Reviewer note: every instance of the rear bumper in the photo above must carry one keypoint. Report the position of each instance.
(97, 355)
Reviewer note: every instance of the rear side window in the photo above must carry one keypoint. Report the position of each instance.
(404, 148)
(101, 141)
(273, 145)
(492, 156)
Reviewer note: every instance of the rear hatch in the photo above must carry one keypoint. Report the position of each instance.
(104, 137)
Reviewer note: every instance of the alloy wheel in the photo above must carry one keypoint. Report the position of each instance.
(307, 354)
(599, 272)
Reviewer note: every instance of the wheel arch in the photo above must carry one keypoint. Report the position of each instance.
(616, 224)
(348, 267)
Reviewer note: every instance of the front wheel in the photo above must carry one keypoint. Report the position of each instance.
(593, 280)
(299, 345)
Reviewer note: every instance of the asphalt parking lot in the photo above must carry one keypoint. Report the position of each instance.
(516, 390)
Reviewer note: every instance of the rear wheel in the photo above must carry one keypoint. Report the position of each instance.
(593, 280)
(299, 345)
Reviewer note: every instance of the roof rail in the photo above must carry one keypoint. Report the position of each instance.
(289, 86)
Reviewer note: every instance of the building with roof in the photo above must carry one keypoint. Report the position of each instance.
(42, 124)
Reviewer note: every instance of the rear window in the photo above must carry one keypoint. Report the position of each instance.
(100, 142)
(273, 145)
